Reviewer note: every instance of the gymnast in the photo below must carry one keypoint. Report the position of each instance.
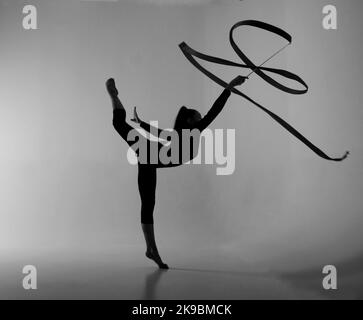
(186, 118)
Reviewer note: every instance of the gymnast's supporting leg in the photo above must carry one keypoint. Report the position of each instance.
(147, 189)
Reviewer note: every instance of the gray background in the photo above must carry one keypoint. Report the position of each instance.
(67, 191)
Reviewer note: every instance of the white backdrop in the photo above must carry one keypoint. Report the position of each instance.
(65, 180)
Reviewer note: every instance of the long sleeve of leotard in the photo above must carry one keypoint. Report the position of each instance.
(214, 111)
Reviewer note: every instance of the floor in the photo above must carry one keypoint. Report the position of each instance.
(125, 274)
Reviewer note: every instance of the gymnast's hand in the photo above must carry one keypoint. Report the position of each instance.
(236, 82)
(136, 118)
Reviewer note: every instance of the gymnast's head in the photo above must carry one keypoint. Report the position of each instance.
(186, 118)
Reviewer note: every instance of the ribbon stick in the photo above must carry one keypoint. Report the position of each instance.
(261, 71)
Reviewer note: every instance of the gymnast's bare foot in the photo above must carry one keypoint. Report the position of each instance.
(111, 87)
(113, 92)
(156, 258)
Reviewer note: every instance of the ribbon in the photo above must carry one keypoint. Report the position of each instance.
(261, 71)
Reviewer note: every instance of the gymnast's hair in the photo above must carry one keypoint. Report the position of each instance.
(184, 114)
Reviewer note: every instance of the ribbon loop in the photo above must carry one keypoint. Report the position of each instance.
(190, 54)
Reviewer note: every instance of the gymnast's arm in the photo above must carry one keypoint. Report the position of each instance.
(214, 111)
(151, 129)
(219, 104)
(154, 131)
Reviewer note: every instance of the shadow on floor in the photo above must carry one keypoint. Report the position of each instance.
(151, 283)
(224, 272)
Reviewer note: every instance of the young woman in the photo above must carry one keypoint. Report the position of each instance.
(186, 119)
